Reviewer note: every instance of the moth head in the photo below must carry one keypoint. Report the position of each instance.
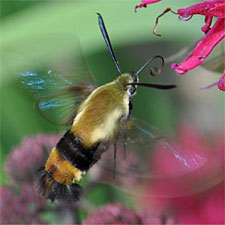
(126, 81)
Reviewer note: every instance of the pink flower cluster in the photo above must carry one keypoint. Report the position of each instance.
(22, 205)
(195, 197)
(22, 208)
(118, 214)
(213, 35)
(23, 162)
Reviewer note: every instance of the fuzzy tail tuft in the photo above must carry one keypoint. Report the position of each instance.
(55, 191)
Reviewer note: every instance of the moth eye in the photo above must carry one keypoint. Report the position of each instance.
(131, 90)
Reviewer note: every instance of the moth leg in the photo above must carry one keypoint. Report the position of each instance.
(114, 163)
(125, 130)
(125, 143)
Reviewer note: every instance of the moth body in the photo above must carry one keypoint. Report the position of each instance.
(97, 120)
(95, 116)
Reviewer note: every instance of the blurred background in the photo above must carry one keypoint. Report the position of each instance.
(39, 30)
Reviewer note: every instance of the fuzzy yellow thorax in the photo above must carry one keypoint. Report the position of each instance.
(99, 115)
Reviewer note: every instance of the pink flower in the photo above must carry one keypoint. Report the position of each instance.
(203, 48)
(21, 204)
(210, 9)
(197, 197)
(112, 214)
(35, 150)
(118, 214)
(204, 208)
(23, 208)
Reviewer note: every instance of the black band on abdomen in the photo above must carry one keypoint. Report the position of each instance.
(71, 149)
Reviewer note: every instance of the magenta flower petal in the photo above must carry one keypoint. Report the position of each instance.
(145, 3)
(203, 48)
(150, 1)
(221, 83)
(208, 22)
(212, 8)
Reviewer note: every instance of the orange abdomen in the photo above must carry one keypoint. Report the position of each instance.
(65, 165)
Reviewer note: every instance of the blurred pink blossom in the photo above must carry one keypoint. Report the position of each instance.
(196, 197)
(21, 208)
(23, 162)
(21, 204)
(202, 208)
(118, 214)
(213, 35)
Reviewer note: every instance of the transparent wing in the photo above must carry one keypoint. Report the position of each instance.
(61, 108)
(59, 81)
(154, 160)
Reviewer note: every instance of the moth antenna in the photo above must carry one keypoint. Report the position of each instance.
(149, 61)
(107, 41)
